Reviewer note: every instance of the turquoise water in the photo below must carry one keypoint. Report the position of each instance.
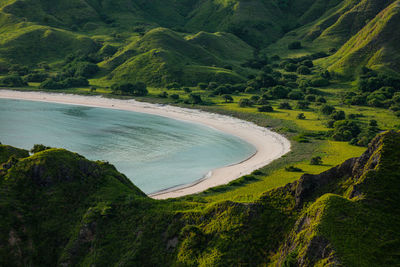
(154, 152)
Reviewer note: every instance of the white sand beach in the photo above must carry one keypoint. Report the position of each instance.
(269, 145)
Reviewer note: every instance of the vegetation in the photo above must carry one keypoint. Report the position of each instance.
(323, 73)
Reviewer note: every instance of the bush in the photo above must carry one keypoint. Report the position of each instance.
(50, 84)
(35, 77)
(303, 104)
(245, 102)
(327, 109)
(345, 130)
(227, 98)
(293, 169)
(174, 96)
(195, 99)
(38, 148)
(321, 100)
(295, 45)
(163, 95)
(316, 160)
(338, 115)
(174, 86)
(307, 63)
(303, 70)
(74, 82)
(136, 89)
(265, 108)
(310, 98)
(301, 116)
(278, 92)
(296, 95)
(202, 86)
(285, 105)
(12, 81)
(319, 82)
(290, 67)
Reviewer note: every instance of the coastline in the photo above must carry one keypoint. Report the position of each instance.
(269, 145)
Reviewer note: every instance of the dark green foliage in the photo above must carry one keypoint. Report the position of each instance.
(174, 96)
(303, 105)
(195, 99)
(296, 95)
(38, 148)
(293, 169)
(135, 89)
(327, 109)
(285, 105)
(36, 77)
(320, 82)
(345, 130)
(163, 94)
(301, 116)
(265, 108)
(227, 98)
(338, 115)
(295, 45)
(303, 70)
(245, 102)
(316, 160)
(12, 81)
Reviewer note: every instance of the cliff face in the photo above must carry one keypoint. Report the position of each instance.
(58, 208)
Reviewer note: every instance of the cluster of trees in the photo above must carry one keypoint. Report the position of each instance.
(134, 89)
(375, 90)
(12, 81)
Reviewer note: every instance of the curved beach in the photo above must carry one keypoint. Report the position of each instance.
(269, 145)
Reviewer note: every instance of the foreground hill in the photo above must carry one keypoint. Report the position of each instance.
(58, 208)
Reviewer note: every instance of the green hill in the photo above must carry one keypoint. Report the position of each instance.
(193, 41)
(58, 208)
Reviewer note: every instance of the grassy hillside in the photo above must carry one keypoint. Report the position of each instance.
(59, 208)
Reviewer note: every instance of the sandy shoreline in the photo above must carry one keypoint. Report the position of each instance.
(269, 145)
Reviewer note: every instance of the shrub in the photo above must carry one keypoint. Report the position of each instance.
(303, 104)
(296, 95)
(35, 77)
(321, 100)
(319, 82)
(163, 94)
(50, 84)
(227, 98)
(316, 160)
(265, 108)
(301, 116)
(12, 81)
(245, 102)
(338, 115)
(74, 82)
(174, 85)
(285, 105)
(202, 86)
(293, 169)
(290, 67)
(303, 70)
(327, 109)
(174, 96)
(195, 99)
(307, 63)
(295, 45)
(136, 89)
(279, 92)
(310, 98)
(345, 130)
(38, 148)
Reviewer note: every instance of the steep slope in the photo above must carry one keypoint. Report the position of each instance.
(352, 216)
(375, 45)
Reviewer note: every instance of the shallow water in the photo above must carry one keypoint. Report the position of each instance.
(154, 152)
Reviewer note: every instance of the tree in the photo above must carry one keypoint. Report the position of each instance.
(285, 105)
(327, 109)
(316, 160)
(38, 148)
(227, 98)
(245, 102)
(195, 99)
(301, 116)
(265, 108)
(295, 45)
(303, 70)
